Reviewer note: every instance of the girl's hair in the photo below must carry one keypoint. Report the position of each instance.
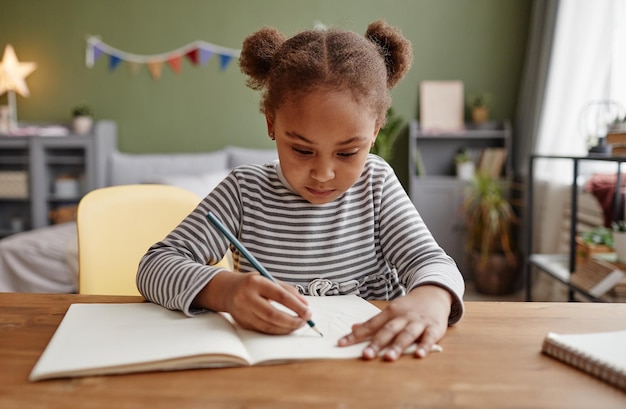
(335, 60)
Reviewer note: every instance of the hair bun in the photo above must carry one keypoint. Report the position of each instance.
(257, 54)
(395, 49)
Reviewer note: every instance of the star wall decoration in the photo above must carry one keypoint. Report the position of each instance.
(13, 73)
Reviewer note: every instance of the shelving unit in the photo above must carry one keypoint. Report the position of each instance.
(561, 266)
(44, 160)
(438, 193)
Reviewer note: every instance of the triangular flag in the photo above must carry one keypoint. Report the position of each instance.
(224, 60)
(155, 69)
(134, 67)
(97, 52)
(193, 56)
(175, 63)
(114, 61)
(205, 56)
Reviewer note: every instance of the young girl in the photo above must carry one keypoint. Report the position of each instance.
(327, 218)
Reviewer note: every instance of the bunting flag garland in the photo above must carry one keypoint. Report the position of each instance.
(197, 52)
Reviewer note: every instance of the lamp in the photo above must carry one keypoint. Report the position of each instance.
(12, 79)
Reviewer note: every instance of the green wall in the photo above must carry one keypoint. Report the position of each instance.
(481, 42)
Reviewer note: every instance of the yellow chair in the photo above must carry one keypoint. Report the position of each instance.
(116, 226)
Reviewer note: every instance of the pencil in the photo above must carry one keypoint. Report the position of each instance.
(217, 223)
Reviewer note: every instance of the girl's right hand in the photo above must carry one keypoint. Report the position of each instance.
(248, 298)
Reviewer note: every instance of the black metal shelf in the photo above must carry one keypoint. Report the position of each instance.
(560, 267)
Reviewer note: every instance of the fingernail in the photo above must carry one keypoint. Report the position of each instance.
(421, 352)
(392, 354)
(369, 352)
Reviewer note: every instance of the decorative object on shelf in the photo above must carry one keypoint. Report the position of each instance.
(619, 240)
(492, 161)
(17, 224)
(82, 119)
(63, 214)
(489, 218)
(480, 106)
(465, 166)
(441, 106)
(383, 145)
(595, 120)
(618, 125)
(67, 187)
(12, 79)
(197, 52)
(593, 244)
(616, 136)
(597, 276)
(13, 184)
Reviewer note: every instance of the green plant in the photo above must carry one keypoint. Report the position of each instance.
(619, 226)
(383, 145)
(618, 120)
(489, 217)
(82, 110)
(479, 100)
(462, 156)
(598, 235)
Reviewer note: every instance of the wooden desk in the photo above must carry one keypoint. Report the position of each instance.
(491, 359)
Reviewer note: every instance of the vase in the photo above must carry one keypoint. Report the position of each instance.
(465, 170)
(495, 276)
(81, 125)
(480, 115)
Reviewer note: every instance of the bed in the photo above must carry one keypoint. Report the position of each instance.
(45, 260)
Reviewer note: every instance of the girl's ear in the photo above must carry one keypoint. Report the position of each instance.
(270, 126)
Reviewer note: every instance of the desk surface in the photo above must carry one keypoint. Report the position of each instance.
(491, 359)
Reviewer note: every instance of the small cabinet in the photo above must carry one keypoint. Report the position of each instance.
(43, 173)
(434, 188)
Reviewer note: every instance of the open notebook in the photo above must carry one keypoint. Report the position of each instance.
(96, 339)
(601, 354)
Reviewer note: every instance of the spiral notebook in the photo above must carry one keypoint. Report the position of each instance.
(600, 354)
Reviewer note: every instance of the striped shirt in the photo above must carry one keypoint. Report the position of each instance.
(370, 241)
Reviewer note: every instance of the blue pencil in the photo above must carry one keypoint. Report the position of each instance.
(213, 219)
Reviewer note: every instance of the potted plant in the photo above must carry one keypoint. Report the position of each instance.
(465, 167)
(82, 119)
(618, 125)
(480, 105)
(489, 217)
(592, 243)
(383, 145)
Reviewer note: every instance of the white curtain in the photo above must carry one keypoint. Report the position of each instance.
(583, 69)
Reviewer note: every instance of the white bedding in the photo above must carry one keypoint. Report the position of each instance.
(45, 260)
(42, 260)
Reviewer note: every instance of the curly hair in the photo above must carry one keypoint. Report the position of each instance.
(367, 66)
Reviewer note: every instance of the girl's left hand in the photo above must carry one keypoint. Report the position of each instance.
(419, 317)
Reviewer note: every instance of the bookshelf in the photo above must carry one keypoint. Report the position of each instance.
(36, 172)
(434, 188)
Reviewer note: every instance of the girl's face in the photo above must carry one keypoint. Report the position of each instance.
(323, 140)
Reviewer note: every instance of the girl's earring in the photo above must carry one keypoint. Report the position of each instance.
(272, 137)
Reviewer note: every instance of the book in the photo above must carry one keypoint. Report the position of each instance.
(600, 354)
(100, 339)
(596, 276)
(492, 161)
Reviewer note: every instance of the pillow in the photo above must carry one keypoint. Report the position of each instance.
(249, 156)
(201, 185)
(128, 168)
